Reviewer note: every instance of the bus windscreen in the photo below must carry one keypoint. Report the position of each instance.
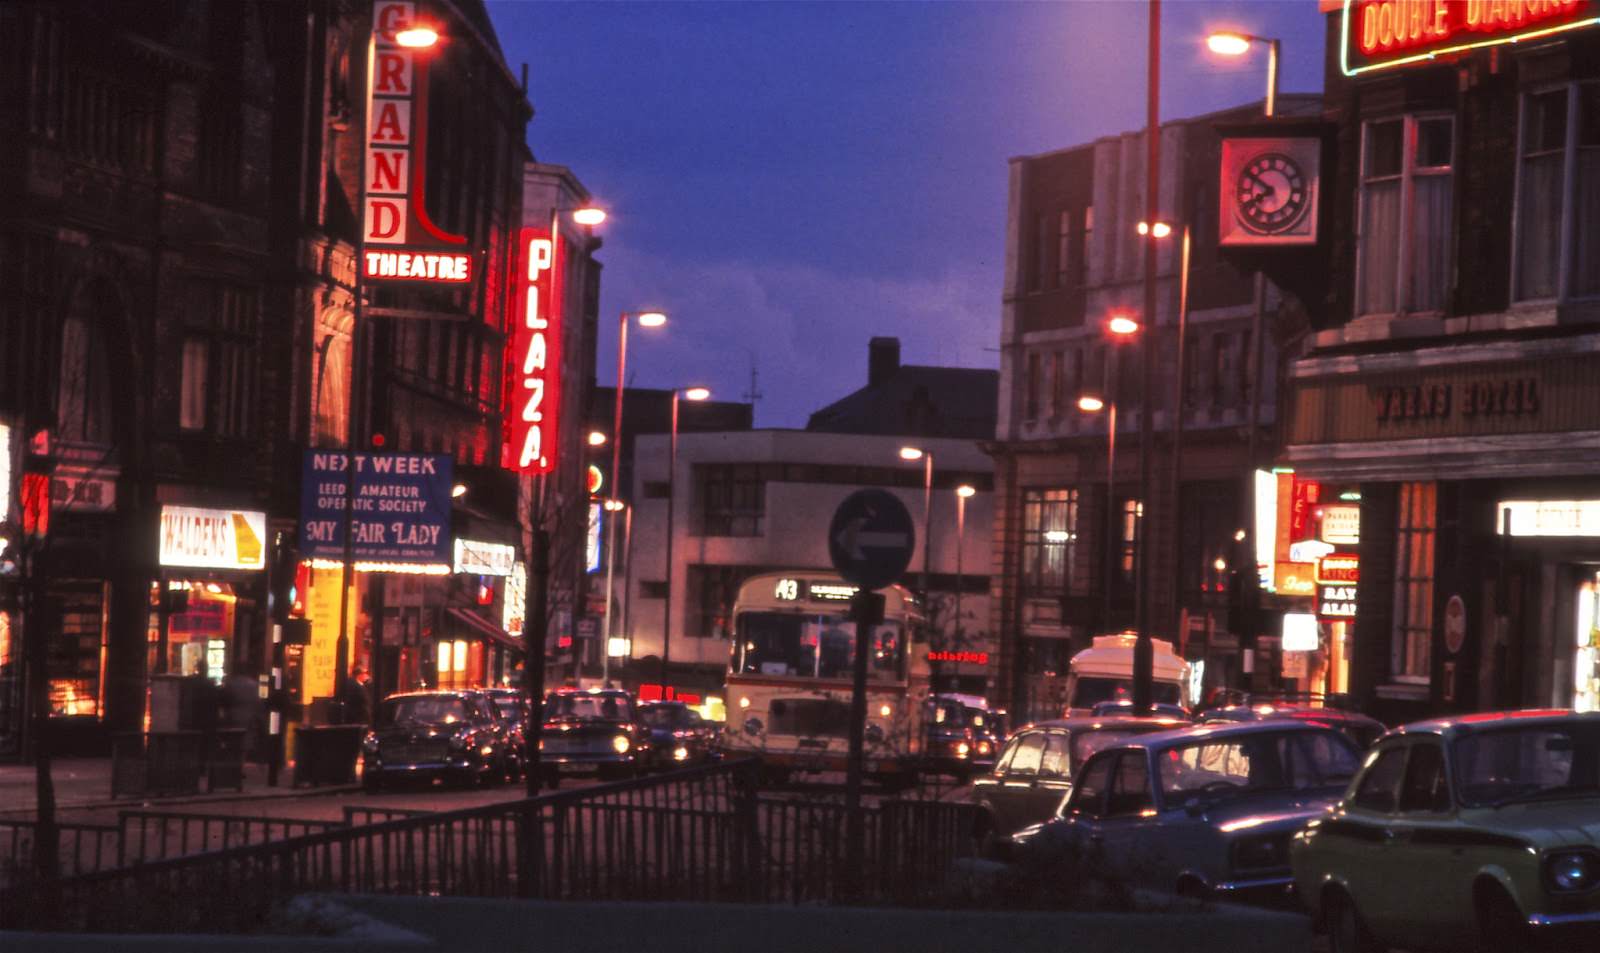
(812, 646)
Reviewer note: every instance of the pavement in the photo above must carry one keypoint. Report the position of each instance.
(84, 784)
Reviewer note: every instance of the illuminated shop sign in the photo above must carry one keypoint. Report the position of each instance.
(515, 605)
(969, 658)
(213, 539)
(411, 247)
(1336, 602)
(533, 361)
(401, 503)
(484, 559)
(1342, 568)
(1379, 34)
(1299, 632)
(1341, 524)
(1549, 517)
(591, 540)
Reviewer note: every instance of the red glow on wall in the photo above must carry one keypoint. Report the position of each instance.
(533, 358)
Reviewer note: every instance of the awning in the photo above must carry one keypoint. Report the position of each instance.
(484, 627)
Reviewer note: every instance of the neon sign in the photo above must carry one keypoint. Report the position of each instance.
(534, 360)
(1379, 34)
(394, 210)
(970, 658)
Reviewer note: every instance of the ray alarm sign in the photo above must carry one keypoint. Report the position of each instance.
(533, 358)
(399, 241)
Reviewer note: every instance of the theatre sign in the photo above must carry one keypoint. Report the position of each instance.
(399, 241)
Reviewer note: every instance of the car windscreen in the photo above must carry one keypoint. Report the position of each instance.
(816, 646)
(584, 706)
(949, 714)
(422, 709)
(509, 705)
(1526, 763)
(1228, 765)
(1092, 690)
(665, 716)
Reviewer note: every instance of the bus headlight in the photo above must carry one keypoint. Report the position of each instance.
(753, 726)
(621, 744)
(884, 711)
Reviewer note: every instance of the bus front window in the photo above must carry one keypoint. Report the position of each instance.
(812, 646)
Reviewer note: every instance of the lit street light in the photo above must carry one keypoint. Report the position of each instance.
(926, 456)
(687, 393)
(597, 438)
(646, 319)
(963, 493)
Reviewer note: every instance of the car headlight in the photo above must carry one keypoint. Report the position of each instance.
(621, 744)
(680, 753)
(1256, 853)
(1572, 870)
(753, 726)
(962, 749)
(370, 742)
(983, 747)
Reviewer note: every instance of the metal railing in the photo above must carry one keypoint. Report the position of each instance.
(82, 848)
(157, 835)
(701, 834)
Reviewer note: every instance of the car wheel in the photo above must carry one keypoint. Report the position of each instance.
(1501, 925)
(1347, 933)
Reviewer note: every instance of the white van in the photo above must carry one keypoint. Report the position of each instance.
(1104, 673)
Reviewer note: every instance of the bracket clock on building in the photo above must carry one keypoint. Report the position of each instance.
(1269, 191)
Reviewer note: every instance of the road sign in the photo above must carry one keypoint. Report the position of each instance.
(871, 538)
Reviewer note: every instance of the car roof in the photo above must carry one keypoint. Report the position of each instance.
(433, 693)
(1457, 725)
(664, 703)
(1300, 712)
(1220, 729)
(1102, 722)
(591, 691)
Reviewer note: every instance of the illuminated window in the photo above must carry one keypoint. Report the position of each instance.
(1129, 538)
(1050, 549)
(1413, 584)
(1403, 262)
(1560, 150)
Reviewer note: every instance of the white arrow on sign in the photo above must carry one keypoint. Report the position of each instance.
(852, 538)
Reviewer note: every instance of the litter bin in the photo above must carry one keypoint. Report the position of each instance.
(225, 760)
(327, 754)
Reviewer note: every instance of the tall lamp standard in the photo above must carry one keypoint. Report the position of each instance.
(687, 393)
(417, 36)
(646, 319)
(926, 456)
(964, 492)
(1238, 44)
(1121, 328)
(1174, 478)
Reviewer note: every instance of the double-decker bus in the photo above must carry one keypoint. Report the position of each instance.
(790, 671)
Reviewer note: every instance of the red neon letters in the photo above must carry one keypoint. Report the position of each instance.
(533, 363)
(1389, 26)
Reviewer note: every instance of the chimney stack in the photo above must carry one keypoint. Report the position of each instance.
(883, 360)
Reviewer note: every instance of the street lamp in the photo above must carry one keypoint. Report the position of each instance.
(687, 393)
(964, 492)
(926, 456)
(1237, 44)
(646, 319)
(597, 438)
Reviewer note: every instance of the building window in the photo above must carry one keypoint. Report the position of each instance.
(1555, 235)
(1030, 409)
(1083, 245)
(218, 386)
(711, 591)
(1058, 384)
(1042, 246)
(732, 499)
(1221, 369)
(83, 392)
(1413, 584)
(1064, 274)
(653, 588)
(1130, 537)
(1404, 259)
(1049, 540)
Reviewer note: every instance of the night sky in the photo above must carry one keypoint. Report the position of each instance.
(787, 180)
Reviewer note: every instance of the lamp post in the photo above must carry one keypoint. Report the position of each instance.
(926, 456)
(963, 493)
(687, 393)
(1122, 328)
(615, 508)
(1143, 650)
(1238, 44)
(1174, 479)
(647, 319)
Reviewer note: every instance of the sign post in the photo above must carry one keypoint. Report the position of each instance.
(870, 541)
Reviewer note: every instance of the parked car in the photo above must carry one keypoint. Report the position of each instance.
(1363, 730)
(1125, 707)
(949, 741)
(678, 735)
(1033, 773)
(1483, 828)
(593, 730)
(1206, 810)
(454, 735)
(988, 734)
(513, 706)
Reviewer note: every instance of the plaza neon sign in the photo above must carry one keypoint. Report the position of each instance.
(1379, 34)
(410, 246)
(533, 363)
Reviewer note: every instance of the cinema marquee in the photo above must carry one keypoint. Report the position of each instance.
(1380, 34)
(399, 241)
(533, 358)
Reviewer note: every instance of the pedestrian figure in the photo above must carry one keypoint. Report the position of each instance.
(354, 701)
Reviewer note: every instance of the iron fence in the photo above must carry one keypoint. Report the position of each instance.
(701, 834)
(82, 848)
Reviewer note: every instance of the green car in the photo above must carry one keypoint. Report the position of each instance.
(1475, 832)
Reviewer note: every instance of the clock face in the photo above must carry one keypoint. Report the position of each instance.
(1272, 193)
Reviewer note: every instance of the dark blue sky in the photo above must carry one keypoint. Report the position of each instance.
(787, 180)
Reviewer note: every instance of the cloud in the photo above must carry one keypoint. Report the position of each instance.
(805, 328)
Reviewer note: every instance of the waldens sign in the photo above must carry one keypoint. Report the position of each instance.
(202, 538)
(401, 503)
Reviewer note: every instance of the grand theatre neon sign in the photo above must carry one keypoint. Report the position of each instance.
(533, 358)
(400, 241)
(1379, 34)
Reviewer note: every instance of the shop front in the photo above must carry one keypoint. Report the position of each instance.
(206, 613)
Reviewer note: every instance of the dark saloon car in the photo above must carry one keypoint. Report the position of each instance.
(513, 707)
(455, 735)
(1034, 771)
(678, 734)
(1205, 811)
(1311, 708)
(593, 731)
(950, 741)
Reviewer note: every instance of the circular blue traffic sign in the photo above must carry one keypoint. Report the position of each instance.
(871, 538)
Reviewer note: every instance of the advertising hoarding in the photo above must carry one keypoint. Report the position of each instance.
(401, 502)
(202, 538)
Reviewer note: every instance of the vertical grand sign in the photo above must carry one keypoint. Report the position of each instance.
(533, 360)
(400, 241)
